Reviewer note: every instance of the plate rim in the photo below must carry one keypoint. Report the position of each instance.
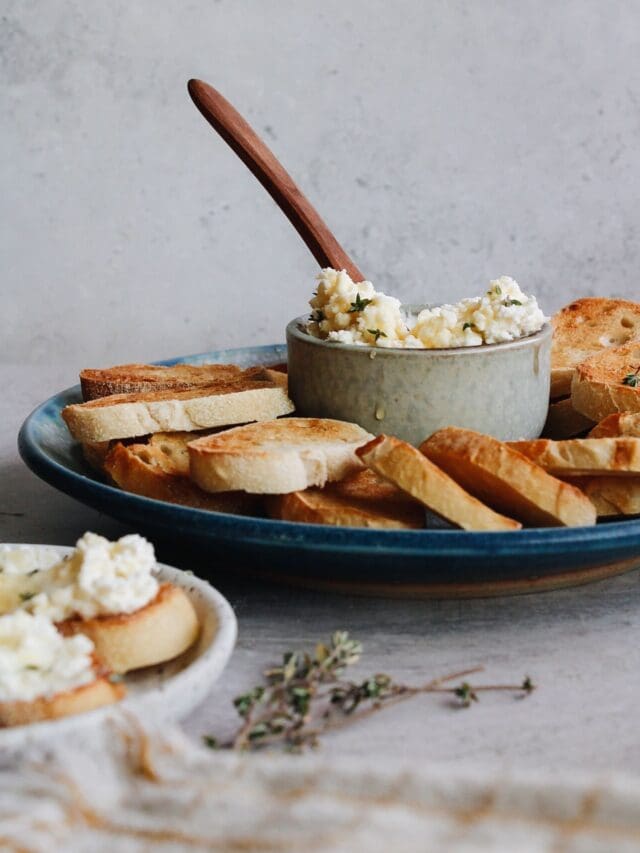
(221, 647)
(459, 543)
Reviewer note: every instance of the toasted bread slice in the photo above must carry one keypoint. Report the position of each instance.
(95, 452)
(256, 394)
(412, 472)
(148, 470)
(277, 457)
(506, 480)
(362, 499)
(87, 697)
(563, 421)
(158, 632)
(614, 426)
(586, 327)
(608, 383)
(140, 378)
(611, 496)
(584, 456)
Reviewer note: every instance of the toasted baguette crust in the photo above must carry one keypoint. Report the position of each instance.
(145, 469)
(564, 422)
(158, 632)
(139, 378)
(584, 456)
(611, 496)
(361, 500)
(87, 697)
(277, 457)
(95, 452)
(507, 480)
(614, 426)
(412, 472)
(585, 327)
(255, 395)
(597, 388)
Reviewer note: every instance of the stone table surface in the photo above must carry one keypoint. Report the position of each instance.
(580, 645)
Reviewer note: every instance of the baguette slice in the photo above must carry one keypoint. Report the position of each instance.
(95, 452)
(505, 479)
(276, 457)
(140, 378)
(598, 388)
(255, 395)
(614, 426)
(584, 328)
(158, 632)
(579, 457)
(412, 472)
(563, 421)
(611, 496)
(87, 697)
(360, 500)
(146, 469)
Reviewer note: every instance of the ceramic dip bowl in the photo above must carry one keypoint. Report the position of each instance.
(499, 389)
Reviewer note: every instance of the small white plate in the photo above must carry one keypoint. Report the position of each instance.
(168, 691)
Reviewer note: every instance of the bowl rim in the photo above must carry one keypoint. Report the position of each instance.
(296, 329)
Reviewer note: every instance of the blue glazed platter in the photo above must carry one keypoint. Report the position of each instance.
(430, 562)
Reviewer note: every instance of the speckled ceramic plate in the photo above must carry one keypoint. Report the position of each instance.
(168, 691)
(438, 563)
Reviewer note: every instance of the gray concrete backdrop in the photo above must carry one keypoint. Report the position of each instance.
(445, 142)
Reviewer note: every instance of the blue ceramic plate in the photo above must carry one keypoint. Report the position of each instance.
(420, 562)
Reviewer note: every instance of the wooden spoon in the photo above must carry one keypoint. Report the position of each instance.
(237, 133)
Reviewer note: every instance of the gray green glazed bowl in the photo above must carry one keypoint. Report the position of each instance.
(499, 389)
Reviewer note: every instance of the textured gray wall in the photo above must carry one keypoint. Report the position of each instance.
(445, 143)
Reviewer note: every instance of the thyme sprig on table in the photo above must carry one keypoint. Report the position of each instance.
(307, 696)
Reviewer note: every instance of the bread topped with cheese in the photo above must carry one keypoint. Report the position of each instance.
(108, 591)
(255, 394)
(140, 378)
(45, 675)
(586, 327)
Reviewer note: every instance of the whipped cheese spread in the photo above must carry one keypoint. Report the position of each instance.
(99, 578)
(358, 314)
(37, 661)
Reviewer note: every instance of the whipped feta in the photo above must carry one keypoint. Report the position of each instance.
(358, 314)
(37, 661)
(24, 559)
(99, 578)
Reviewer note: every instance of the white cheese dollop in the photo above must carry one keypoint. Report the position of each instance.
(99, 578)
(357, 314)
(24, 559)
(37, 661)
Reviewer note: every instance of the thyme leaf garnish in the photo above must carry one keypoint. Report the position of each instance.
(307, 696)
(377, 333)
(359, 305)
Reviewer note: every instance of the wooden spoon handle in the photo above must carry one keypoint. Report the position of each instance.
(278, 183)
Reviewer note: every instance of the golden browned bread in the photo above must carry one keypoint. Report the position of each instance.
(95, 452)
(412, 472)
(256, 394)
(613, 426)
(608, 383)
(140, 378)
(362, 499)
(586, 327)
(506, 480)
(563, 421)
(611, 496)
(87, 697)
(583, 456)
(149, 470)
(276, 457)
(158, 632)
